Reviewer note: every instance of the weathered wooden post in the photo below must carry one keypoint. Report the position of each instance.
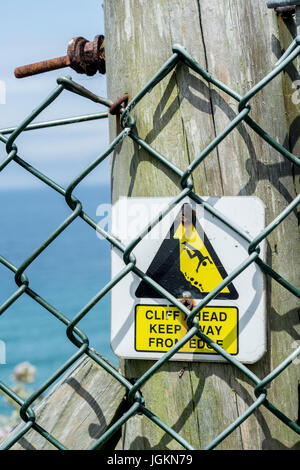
(76, 411)
(236, 42)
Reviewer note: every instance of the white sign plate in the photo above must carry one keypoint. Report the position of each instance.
(189, 252)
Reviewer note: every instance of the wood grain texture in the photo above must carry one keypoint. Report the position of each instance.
(237, 42)
(291, 88)
(78, 410)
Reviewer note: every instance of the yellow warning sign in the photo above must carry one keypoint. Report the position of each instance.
(196, 264)
(158, 328)
(186, 261)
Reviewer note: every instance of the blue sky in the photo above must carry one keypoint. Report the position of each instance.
(32, 30)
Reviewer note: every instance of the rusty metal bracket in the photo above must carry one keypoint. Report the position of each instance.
(284, 8)
(83, 56)
(287, 9)
(116, 107)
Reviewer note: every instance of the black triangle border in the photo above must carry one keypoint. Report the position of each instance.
(232, 295)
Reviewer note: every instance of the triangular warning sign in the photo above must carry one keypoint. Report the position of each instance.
(186, 261)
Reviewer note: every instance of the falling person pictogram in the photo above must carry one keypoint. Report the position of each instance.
(186, 261)
(192, 252)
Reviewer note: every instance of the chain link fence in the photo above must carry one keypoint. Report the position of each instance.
(79, 339)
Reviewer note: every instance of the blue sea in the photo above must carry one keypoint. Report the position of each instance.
(67, 274)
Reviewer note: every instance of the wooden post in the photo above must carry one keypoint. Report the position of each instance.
(78, 409)
(237, 42)
(291, 88)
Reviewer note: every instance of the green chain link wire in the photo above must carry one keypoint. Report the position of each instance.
(135, 399)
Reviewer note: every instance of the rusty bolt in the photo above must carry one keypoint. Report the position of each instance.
(187, 300)
(83, 56)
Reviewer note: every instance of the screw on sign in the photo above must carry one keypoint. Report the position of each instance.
(83, 56)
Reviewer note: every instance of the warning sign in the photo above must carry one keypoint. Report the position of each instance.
(187, 254)
(159, 328)
(186, 261)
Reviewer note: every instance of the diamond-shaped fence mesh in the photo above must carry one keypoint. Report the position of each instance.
(135, 399)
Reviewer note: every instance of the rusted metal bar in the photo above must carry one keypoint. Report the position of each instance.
(43, 66)
(83, 56)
